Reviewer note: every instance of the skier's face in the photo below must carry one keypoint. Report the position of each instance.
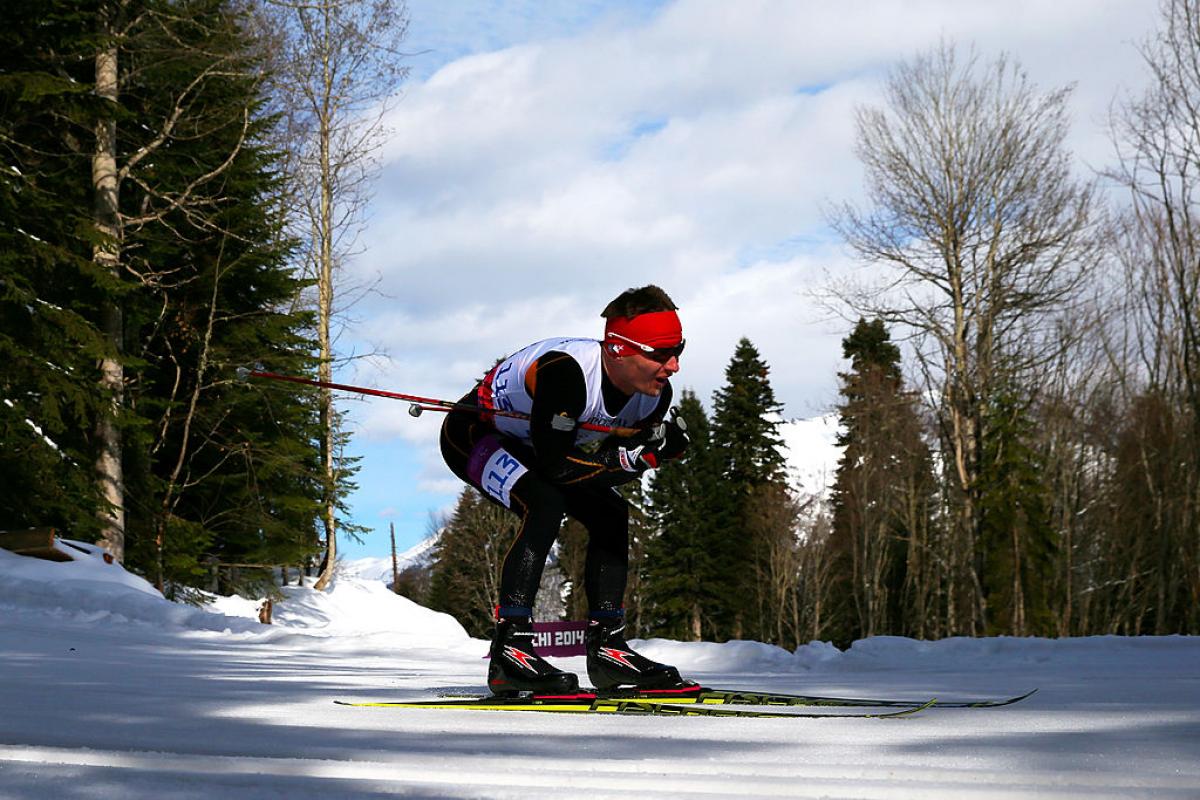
(637, 373)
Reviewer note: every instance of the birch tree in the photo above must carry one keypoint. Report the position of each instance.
(106, 254)
(339, 66)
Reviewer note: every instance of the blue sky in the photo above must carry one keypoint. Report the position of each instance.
(547, 155)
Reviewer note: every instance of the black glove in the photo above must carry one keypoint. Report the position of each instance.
(675, 438)
(658, 444)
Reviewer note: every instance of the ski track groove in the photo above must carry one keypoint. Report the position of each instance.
(494, 777)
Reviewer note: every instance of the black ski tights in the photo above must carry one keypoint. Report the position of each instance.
(477, 454)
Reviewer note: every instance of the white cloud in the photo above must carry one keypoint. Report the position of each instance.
(574, 150)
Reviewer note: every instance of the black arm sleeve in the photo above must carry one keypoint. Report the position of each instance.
(558, 388)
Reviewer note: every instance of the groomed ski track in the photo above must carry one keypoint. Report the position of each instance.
(143, 699)
(525, 776)
(137, 712)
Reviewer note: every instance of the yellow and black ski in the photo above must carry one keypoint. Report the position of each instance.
(702, 695)
(591, 704)
(706, 696)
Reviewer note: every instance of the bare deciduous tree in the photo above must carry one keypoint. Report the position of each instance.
(337, 68)
(772, 524)
(986, 235)
(1158, 145)
(814, 577)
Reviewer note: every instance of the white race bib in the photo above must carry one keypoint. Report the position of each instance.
(499, 475)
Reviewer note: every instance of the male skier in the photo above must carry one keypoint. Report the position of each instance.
(535, 467)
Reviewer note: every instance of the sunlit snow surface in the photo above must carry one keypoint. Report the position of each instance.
(110, 691)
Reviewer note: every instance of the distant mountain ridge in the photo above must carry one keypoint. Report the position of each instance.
(380, 567)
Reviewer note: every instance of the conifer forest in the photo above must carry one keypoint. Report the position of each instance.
(1019, 406)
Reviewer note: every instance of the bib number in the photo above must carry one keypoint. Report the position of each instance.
(499, 475)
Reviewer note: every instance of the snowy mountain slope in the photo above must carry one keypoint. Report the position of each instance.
(109, 691)
(379, 568)
(811, 451)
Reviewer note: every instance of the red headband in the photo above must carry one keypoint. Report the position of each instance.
(655, 329)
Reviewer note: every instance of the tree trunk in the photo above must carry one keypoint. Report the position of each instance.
(107, 254)
(325, 228)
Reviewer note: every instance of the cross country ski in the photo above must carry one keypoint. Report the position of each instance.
(587, 703)
(702, 695)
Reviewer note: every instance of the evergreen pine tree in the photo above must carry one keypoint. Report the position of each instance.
(217, 469)
(747, 443)
(746, 423)
(640, 530)
(882, 497)
(48, 341)
(212, 468)
(683, 575)
(1017, 540)
(466, 570)
(572, 559)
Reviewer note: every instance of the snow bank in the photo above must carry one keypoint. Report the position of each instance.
(356, 606)
(89, 590)
(724, 657)
(885, 653)
(999, 652)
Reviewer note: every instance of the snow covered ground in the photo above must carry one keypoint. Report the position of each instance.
(109, 691)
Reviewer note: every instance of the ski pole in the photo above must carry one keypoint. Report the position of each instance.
(418, 405)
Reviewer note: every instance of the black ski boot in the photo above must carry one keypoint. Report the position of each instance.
(611, 662)
(516, 668)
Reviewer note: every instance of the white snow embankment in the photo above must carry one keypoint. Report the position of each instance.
(1142, 654)
(88, 589)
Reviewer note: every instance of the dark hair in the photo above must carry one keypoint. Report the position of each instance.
(632, 302)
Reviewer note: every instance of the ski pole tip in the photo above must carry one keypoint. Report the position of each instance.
(243, 373)
(415, 410)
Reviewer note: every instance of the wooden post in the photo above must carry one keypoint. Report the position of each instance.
(395, 565)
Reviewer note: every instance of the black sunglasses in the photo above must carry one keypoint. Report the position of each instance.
(660, 354)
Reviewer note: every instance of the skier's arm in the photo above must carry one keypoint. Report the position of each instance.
(659, 442)
(559, 392)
